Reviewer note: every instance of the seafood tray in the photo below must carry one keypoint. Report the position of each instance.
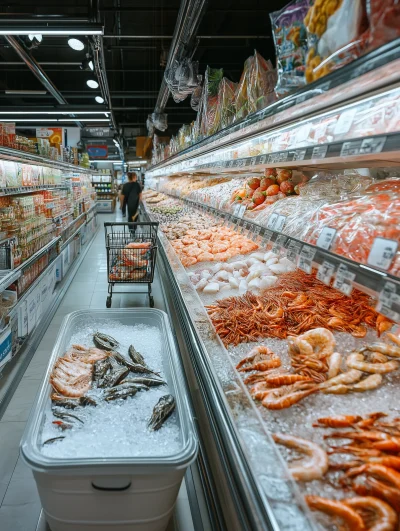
(113, 489)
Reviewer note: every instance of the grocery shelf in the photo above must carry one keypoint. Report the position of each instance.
(18, 190)
(8, 277)
(31, 158)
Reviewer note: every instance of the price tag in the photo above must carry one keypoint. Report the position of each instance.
(389, 301)
(344, 123)
(266, 238)
(372, 145)
(325, 272)
(319, 152)
(279, 243)
(293, 251)
(382, 253)
(326, 238)
(236, 209)
(299, 154)
(241, 211)
(280, 222)
(305, 258)
(244, 227)
(344, 280)
(255, 233)
(272, 220)
(302, 133)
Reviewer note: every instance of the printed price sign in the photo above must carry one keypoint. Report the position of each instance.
(326, 238)
(293, 251)
(241, 211)
(236, 209)
(325, 272)
(344, 280)
(279, 243)
(280, 223)
(305, 258)
(299, 154)
(389, 301)
(382, 253)
(244, 227)
(272, 220)
(319, 152)
(256, 232)
(266, 237)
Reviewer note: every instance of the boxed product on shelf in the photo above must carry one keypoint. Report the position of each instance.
(5, 346)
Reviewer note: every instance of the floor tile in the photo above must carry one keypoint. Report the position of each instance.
(21, 506)
(20, 405)
(10, 436)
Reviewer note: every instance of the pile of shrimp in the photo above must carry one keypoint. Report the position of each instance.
(373, 474)
(213, 244)
(72, 373)
(316, 367)
(297, 303)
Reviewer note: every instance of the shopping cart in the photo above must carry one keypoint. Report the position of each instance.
(131, 255)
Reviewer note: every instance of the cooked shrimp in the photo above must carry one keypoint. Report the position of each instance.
(379, 489)
(321, 340)
(258, 377)
(260, 390)
(377, 515)
(384, 348)
(338, 509)
(288, 395)
(276, 380)
(260, 358)
(381, 472)
(299, 346)
(308, 469)
(356, 360)
(338, 421)
(75, 389)
(334, 363)
(394, 338)
(371, 382)
(392, 461)
(348, 377)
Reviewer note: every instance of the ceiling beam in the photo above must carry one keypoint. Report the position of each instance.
(161, 37)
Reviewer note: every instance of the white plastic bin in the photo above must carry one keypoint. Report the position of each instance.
(97, 494)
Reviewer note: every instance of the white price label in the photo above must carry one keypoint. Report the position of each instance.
(344, 280)
(280, 223)
(293, 251)
(305, 258)
(256, 232)
(279, 243)
(325, 272)
(326, 238)
(272, 220)
(372, 145)
(344, 123)
(299, 154)
(319, 152)
(302, 133)
(266, 238)
(241, 211)
(382, 253)
(244, 227)
(389, 301)
(236, 209)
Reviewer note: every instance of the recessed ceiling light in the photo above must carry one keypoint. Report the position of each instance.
(92, 83)
(99, 99)
(76, 44)
(87, 64)
(35, 36)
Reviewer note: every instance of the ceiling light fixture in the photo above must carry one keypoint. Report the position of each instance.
(35, 37)
(42, 29)
(92, 84)
(99, 99)
(72, 111)
(87, 64)
(26, 92)
(54, 119)
(76, 44)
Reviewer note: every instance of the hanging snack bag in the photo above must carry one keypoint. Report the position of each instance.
(261, 83)
(241, 96)
(335, 33)
(290, 38)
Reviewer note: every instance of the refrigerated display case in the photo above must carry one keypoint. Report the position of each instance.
(344, 125)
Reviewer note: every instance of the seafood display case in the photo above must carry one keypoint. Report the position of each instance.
(279, 247)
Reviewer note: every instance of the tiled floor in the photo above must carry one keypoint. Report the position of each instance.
(20, 508)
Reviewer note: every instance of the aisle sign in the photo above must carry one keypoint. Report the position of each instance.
(325, 272)
(326, 238)
(293, 251)
(382, 253)
(389, 301)
(305, 258)
(344, 280)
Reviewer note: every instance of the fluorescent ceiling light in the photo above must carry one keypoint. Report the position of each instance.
(54, 119)
(92, 83)
(54, 112)
(99, 99)
(35, 36)
(76, 44)
(20, 92)
(48, 31)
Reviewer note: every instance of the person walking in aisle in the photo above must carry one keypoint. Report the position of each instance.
(131, 194)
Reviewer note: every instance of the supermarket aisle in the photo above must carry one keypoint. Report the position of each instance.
(19, 501)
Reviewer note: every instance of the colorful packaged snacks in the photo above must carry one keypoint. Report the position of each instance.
(291, 45)
(334, 34)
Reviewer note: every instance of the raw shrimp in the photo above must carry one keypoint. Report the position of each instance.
(356, 360)
(260, 390)
(371, 382)
(338, 509)
(300, 346)
(288, 395)
(394, 338)
(276, 380)
(338, 421)
(321, 340)
(260, 358)
(381, 472)
(383, 348)
(348, 377)
(308, 469)
(258, 377)
(334, 363)
(72, 388)
(377, 515)
(379, 489)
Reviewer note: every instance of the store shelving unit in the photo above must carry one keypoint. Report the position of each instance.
(348, 119)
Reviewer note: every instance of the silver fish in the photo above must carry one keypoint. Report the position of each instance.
(105, 342)
(116, 393)
(54, 439)
(133, 366)
(100, 368)
(72, 403)
(61, 414)
(146, 380)
(162, 410)
(136, 357)
(114, 375)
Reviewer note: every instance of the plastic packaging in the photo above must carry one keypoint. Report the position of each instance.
(384, 22)
(263, 79)
(334, 187)
(334, 34)
(206, 116)
(225, 110)
(291, 45)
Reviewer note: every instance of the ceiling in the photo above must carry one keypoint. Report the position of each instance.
(137, 34)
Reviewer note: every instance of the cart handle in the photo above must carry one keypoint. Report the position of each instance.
(118, 489)
(116, 223)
